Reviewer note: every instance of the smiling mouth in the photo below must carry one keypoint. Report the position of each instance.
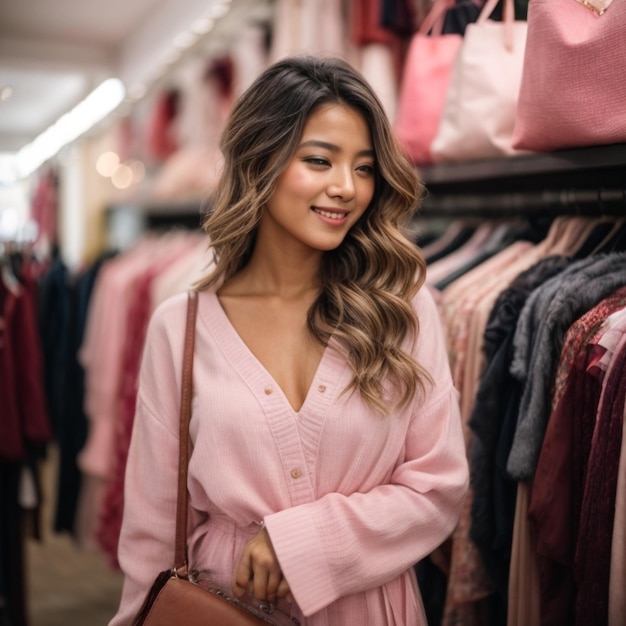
(332, 215)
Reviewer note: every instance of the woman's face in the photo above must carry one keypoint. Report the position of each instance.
(326, 186)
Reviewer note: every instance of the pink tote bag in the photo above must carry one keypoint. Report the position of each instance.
(424, 84)
(573, 90)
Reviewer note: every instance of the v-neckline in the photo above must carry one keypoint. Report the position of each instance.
(245, 351)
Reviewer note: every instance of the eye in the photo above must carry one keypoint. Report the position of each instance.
(366, 168)
(317, 161)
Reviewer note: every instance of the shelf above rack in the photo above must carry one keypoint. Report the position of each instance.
(595, 160)
(586, 181)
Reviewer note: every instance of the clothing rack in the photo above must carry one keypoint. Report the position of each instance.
(587, 202)
(586, 181)
(126, 222)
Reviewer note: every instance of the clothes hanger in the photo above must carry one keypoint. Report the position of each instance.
(571, 235)
(617, 242)
(607, 241)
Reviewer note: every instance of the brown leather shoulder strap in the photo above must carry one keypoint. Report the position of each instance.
(180, 554)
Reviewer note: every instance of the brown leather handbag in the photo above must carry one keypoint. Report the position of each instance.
(183, 596)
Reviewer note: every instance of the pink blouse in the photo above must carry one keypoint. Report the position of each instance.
(351, 500)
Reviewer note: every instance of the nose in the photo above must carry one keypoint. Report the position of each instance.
(341, 184)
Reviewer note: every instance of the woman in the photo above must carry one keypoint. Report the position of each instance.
(328, 456)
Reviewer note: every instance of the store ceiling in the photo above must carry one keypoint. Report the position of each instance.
(52, 54)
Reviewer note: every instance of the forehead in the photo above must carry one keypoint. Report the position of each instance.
(337, 119)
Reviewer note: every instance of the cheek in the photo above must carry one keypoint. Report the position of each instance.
(295, 181)
(365, 195)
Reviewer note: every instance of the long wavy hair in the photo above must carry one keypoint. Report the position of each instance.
(368, 281)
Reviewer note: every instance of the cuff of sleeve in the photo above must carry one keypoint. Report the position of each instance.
(300, 551)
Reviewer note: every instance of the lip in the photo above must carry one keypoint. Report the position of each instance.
(328, 219)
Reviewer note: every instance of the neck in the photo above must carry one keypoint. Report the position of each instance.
(278, 274)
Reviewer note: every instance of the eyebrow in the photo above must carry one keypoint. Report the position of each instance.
(331, 147)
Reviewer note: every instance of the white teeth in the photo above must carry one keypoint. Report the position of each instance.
(329, 215)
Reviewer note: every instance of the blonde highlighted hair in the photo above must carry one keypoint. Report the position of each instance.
(368, 281)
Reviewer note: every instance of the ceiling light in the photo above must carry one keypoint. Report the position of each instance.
(185, 40)
(8, 169)
(219, 10)
(6, 93)
(137, 92)
(9, 223)
(102, 101)
(170, 57)
(202, 26)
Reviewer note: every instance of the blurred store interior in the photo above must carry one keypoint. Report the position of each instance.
(110, 115)
(86, 91)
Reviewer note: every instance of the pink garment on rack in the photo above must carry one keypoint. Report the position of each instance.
(580, 333)
(250, 54)
(460, 297)
(101, 357)
(181, 275)
(445, 266)
(523, 600)
(188, 175)
(379, 65)
(101, 353)
(316, 27)
(465, 316)
(207, 91)
(441, 242)
(138, 315)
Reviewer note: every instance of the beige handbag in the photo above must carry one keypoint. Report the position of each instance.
(479, 113)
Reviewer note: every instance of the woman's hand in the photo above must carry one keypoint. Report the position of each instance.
(258, 571)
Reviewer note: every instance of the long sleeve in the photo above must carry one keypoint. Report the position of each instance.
(146, 544)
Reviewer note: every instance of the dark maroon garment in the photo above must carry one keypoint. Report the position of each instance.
(11, 446)
(23, 408)
(557, 492)
(556, 495)
(161, 136)
(24, 431)
(366, 20)
(366, 28)
(592, 564)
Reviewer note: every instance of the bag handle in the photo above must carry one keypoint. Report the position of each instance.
(180, 552)
(435, 17)
(508, 17)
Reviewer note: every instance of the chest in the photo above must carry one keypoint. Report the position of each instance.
(278, 337)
